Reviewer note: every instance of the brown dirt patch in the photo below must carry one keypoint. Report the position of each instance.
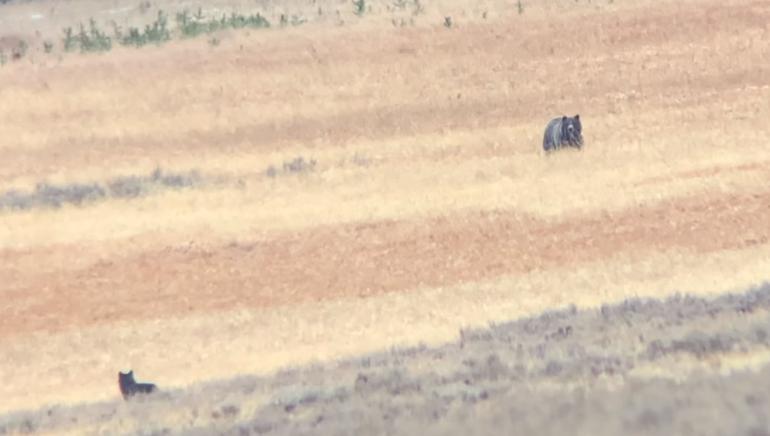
(370, 259)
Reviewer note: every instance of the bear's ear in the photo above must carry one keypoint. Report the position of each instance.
(564, 118)
(577, 117)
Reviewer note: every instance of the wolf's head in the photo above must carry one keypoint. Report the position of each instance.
(126, 381)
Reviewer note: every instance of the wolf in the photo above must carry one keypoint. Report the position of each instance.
(129, 387)
(563, 132)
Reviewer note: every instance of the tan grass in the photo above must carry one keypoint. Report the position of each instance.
(404, 123)
(430, 151)
(178, 351)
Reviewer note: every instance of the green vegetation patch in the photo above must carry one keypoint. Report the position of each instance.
(155, 33)
(191, 26)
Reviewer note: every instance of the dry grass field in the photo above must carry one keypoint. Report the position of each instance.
(361, 185)
(683, 365)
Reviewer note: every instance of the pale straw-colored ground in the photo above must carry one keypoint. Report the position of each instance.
(430, 205)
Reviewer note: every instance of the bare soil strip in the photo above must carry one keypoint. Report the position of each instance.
(370, 259)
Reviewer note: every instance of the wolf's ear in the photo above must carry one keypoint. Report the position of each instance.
(577, 117)
(564, 118)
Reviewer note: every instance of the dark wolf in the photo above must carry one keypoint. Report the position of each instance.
(129, 387)
(563, 132)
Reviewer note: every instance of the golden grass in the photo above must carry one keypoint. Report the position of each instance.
(182, 350)
(391, 97)
(404, 123)
(339, 192)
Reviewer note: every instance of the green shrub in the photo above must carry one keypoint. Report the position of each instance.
(195, 25)
(155, 33)
(69, 39)
(89, 40)
(359, 7)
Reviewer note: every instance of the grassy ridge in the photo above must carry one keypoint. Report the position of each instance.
(599, 371)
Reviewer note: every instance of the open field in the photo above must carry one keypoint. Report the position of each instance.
(640, 367)
(292, 195)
